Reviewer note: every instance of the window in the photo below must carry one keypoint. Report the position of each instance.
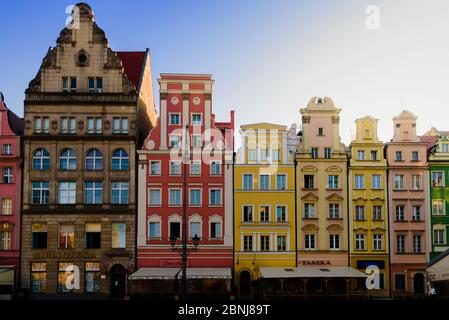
(41, 125)
(7, 175)
(252, 155)
(334, 210)
(416, 182)
(92, 277)
(120, 125)
(175, 230)
(327, 153)
(415, 156)
(195, 197)
(5, 237)
(215, 168)
(264, 153)
(69, 84)
(377, 242)
(320, 132)
(195, 168)
(38, 236)
(247, 243)
(308, 182)
(438, 207)
(118, 235)
(309, 210)
(334, 241)
(360, 242)
(399, 281)
(247, 181)
(67, 192)
(119, 193)
(416, 213)
(6, 208)
(377, 213)
(417, 243)
(314, 153)
(359, 181)
(174, 119)
(197, 141)
(154, 197)
(215, 230)
(400, 243)
(196, 119)
(94, 160)
(359, 213)
(375, 181)
(400, 213)
(373, 155)
(398, 156)
(332, 182)
(264, 243)
(154, 230)
(438, 236)
(248, 213)
(174, 141)
(64, 269)
(444, 147)
(120, 160)
(174, 197)
(399, 181)
(215, 197)
(155, 168)
(93, 235)
(41, 160)
(38, 277)
(95, 85)
(194, 230)
(264, 182)
(175, 168)
(66, 236)
(7, 149)
(40, 192)
(309, 242)
(264, 213)
(281, 243)
(281, 182)
(360, 155)
(94, 125)
(67, 160)
(68, 125)
(93, 192)
(275, 155)
(437, 178)
(281, 213)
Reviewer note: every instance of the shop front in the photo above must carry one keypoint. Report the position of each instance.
(438, 275)
(370, 263)
(7, 282)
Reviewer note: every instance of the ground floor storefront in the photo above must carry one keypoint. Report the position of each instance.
(408, 279)
(370, 263)
(438, 275)
(9, 275)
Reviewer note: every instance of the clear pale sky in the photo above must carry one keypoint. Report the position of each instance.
(268, 57)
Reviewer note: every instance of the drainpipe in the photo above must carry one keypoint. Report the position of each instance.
(387, 186)
(296, 218)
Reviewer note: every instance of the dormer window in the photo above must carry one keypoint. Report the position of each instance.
(444, 147)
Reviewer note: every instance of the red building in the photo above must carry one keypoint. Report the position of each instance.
(11, 128)
(185, 101)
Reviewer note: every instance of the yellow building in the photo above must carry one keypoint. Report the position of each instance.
(264, 202)
(368, 215)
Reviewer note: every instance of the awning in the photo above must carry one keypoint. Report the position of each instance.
(175, 273)
(7, 275)
(331, 272)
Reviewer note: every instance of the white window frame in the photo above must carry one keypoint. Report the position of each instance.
(360, 239)
(252, 213)
(443, 178)
(286, 182)
(178, 138)
(377, 242)
(193, 139)
(221, 197)
(191, 165)
(190, 197)
(216, 219)
(332, 241)
(308, 242)
(150, 163)
(243, 181)
(312, 205)
(149, 197)
(286, 213)
(357, 184)
(154, 219)
(169, 118)
(260, 182)
(170, 204)
(196, 114)
(212, 162)
(269, 213)
(374, 179)
(443, 212)
(170, 168)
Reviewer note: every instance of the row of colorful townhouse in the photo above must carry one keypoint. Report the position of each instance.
(95, 185)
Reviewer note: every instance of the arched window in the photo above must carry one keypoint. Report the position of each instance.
(41, 159)
(120, 160)
(94, 160)
(67, 160)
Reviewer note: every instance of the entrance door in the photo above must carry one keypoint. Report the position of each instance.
(418, 283)
(118, 281)
(245, 283)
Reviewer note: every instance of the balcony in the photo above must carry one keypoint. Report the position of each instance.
(79, 98)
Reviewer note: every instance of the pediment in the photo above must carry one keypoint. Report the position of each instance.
(334, 227)
(309, 197)
(334, 169)
(310, 227)
(309, 169)
(334, 197)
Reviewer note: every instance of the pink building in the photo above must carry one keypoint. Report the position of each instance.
(408, 207)
(11, 128)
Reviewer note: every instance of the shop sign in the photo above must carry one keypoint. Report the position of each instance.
(315, 262)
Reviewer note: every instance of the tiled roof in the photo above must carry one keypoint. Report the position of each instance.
(133, 65)
(429, 140)
(15, 122)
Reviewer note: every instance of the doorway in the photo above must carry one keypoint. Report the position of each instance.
(118, 281)
(418, 283)
(245, 283)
